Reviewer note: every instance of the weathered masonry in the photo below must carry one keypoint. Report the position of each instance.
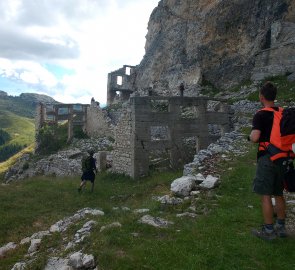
(163, 126)
(119, 84)
(75, 114)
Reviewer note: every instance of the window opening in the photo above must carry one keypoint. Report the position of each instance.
(119, 80)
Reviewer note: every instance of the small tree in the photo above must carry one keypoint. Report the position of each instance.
(4, 137)
(51, 138)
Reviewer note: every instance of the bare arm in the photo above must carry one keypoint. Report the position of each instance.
(255, 135)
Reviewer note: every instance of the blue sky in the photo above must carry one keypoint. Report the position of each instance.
(66, 48)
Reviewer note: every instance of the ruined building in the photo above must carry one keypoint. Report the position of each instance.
(167, 130)
(152, 131)
(120, 86)
(90, 118)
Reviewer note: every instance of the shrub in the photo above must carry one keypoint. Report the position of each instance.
(8, 151)
(51, 138)
(4, 137)
(79, 133)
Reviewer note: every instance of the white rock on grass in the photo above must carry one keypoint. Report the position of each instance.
(141, 211)
(35, 244)
(62, 225)
(56, 263)
(79, 260)
(209, 183)
(187, 214)
(200, 177)
(195, 192)
(112, 225)
(155, 221)
(25, 241)
(88, 261)
(19, 266)
(6, 248)
(76, 260)
(183, 186)
(166, 199)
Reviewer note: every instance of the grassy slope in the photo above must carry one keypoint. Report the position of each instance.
(9, 162)
(17, 106)
(219, 240)
(21, 129)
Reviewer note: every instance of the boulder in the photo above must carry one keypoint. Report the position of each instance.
(209, 183)
(112, 225)
(155, 221)
(183, 186)
(35, 244)
(6, 248)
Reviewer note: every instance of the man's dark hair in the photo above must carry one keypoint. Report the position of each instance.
(269, 91)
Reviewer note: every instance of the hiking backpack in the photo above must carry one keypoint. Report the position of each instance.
(282, 137)
(86, 164)
(287, 126)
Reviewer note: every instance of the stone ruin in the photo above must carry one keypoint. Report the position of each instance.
(120, 85)
(166, 131)
(91, 118)
(153, 131)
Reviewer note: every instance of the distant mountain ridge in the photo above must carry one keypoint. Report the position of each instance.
(24, 104)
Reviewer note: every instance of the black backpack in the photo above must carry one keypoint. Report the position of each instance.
(289, 180)
(287, 128)
(87, 164)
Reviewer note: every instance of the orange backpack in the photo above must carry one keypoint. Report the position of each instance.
(282, 137)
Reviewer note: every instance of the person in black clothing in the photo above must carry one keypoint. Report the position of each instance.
(268, 181)
(88, 173)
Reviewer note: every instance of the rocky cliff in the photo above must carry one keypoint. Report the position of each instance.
(222, 42)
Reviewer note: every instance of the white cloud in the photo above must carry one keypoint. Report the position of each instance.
(89, 37)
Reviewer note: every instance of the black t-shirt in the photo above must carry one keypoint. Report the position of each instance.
(263, 121)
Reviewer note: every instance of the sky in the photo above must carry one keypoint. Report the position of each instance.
(66, 48)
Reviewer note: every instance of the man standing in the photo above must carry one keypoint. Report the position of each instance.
(88, 168)
(268, 181)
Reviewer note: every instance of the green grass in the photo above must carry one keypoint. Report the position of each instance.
(220, 239)
(286, 89)
(21, 129)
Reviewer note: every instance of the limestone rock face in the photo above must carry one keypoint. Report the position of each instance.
(211, 40)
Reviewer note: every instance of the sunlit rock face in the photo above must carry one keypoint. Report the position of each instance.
(216, 41)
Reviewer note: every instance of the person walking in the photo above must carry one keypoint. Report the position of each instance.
(88, 168)
(268, 181)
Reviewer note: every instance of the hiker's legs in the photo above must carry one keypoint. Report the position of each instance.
(280, 207)
(267, 209)
(92, 186)
(82, 184)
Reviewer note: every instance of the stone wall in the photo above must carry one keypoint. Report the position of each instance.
(122, 147)
(164, 125)
(98, 124)
(120, 85)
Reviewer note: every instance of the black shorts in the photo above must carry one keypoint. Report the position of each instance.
(269, 177)
(88, 176)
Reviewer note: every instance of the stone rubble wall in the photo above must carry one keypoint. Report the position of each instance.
(122, 146)
(135, 142)
(98, 123)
